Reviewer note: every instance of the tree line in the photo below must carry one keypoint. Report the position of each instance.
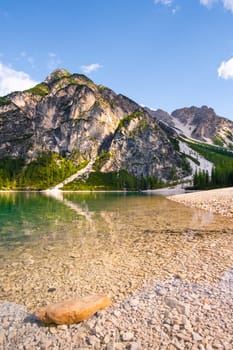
(222, 172)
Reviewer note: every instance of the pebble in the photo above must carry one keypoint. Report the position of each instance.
(134, 346)
(217, 201)
(154, 319)
(127, 336)
(196, 336)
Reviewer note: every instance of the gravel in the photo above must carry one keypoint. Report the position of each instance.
(217, 201)
(173, 314)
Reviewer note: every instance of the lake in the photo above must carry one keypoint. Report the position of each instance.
(81, 243)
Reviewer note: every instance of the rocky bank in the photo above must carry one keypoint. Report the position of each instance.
(217, 201)
(164, 315)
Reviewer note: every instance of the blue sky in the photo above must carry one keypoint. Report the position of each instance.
(163, 54)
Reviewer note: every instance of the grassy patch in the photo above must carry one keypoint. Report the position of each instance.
(40, 89)
(101, 88)
(125, 121)
(218, 141)
(58, 74)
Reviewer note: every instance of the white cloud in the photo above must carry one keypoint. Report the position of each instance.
(227, 4)
(170, 4)
(91, 68)
(225, 70)
(207, 3)
(163, 2)
(12, 80)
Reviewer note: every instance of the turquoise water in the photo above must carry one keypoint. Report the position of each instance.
(28, 216)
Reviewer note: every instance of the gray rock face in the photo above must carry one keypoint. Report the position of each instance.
(142, 149)
(204, 124)
(68, 113)
(161, 115)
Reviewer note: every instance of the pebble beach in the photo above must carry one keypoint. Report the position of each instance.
(180, 297)
(217, 201)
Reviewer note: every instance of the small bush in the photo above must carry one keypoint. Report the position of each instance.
(4, 101)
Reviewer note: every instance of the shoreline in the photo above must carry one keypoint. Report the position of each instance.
(164, 191)
(218, 201)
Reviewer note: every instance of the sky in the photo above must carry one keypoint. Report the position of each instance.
(165, 54)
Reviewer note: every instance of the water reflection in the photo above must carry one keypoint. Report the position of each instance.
(29, 216)
(80, 209)
(82, 243)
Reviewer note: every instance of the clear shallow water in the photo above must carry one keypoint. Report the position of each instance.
(28, 216)
(79, 243)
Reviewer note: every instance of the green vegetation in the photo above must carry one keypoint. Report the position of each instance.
(142, 125)
(125, 121)
(40, 89)
(174, 141)
(4, 101)
(101, 88)
(218, 141)
(185, 165)
(101, 159)
(120, 180)
(202, 180)
(222, 173)
(229, 135)
(44, 172)
(61, 73)
(196, 161)
(9, 171)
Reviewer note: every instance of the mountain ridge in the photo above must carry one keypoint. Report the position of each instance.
(198, 123)
(51, 131)
(68, 115)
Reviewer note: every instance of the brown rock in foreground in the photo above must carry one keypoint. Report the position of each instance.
(72, 310)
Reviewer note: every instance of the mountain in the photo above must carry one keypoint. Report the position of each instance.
(67, 121)
(201, 124)
(161, 116)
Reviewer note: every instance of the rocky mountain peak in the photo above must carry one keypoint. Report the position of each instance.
(56, 75)
(203, 124)
(69, 115)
